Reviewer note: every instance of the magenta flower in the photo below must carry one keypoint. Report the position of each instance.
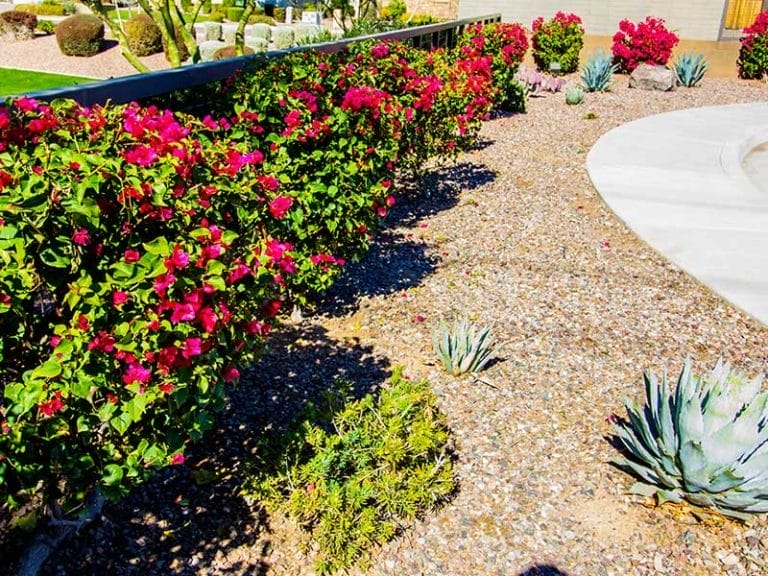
(136, 373)
(81, 237)
(192, 347)
(207, 318)
(182, 313)
(119, 298)
(279, 206)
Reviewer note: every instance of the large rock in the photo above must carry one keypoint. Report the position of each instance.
(648, 77)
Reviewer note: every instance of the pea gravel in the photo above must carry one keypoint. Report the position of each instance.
(513, 236)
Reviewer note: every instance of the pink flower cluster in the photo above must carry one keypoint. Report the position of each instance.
(648, 41)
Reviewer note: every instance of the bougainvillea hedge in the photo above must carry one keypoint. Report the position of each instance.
(648, 41)
(145, 253)
(753, 51)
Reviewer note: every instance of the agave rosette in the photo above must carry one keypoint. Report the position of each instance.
(463, 348)
(707, 443)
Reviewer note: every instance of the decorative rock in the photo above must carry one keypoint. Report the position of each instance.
(256, 44)
(647, 77)
(208, 49)
(212, 31)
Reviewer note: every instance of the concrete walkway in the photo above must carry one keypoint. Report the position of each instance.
(677, 180)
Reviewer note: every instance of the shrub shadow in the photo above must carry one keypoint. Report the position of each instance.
(543, 570)
(193, 519)
(395, 262)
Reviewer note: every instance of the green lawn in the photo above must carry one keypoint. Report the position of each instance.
(14, 82)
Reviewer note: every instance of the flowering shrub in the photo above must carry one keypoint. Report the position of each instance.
(753, 53)
(557, 41)
(145, 253)
(648, 41)
(505, 45)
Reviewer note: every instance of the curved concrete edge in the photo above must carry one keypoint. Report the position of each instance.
(677, 181)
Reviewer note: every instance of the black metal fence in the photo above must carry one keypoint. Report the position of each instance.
(152, 84)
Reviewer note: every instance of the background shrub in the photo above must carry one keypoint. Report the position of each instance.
(279, 14)
(80, 35)
(261, 19)
(558, 40)
(217, 17)
(183, 50)
(46, 26)
(234, 14)
(18, 25)
(45, 9)
(753, 52)
(648, 41)
(143, 35)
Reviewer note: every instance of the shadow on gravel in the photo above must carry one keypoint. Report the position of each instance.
(395, 262)
(192, 519)
(543, 570)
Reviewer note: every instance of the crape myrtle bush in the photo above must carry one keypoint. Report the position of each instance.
(557, 40)
(146, 253)
(753, 53)
(506, 44)
(648, 41)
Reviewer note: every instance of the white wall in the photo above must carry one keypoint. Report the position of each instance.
(689, 19)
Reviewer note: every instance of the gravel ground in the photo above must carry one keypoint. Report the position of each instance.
(515, 236)
(43, 54)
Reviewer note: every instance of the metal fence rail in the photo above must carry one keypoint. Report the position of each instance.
(151, 84)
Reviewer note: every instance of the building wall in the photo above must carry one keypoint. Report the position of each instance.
(689, 19)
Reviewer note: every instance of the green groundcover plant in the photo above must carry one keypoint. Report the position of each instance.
(354, 473)
(146, 253)
(557, 41)
(753, 52)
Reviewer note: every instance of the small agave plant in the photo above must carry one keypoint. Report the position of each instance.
(690, 69)
(597, 74)
(707, 443)
(462, 347)
(574, 96)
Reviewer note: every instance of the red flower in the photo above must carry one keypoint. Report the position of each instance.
(82, 323)
(192, 347)
(207, 318)
(53, 405)
(231, 374)
(131, 256)
(177, 459)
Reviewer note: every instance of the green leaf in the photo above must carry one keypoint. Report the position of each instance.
(113, 474)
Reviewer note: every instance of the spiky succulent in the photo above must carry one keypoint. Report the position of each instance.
(690, 69)
(462, 347)
(597, 73)
(707, 443)
(574, 96)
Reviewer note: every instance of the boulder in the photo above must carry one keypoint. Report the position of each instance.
(648, 77)
(208, 49)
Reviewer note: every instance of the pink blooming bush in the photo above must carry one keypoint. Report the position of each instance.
(146, 253)
(648, 41)
(505, 45)
(753, 52)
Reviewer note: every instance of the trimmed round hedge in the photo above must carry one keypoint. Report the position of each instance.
(144, 38)
(80, 35)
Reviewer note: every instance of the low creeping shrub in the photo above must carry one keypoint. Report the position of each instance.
(556, 43)
(354, 473)
(648, 41)
(753, 52)
(704, 442)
